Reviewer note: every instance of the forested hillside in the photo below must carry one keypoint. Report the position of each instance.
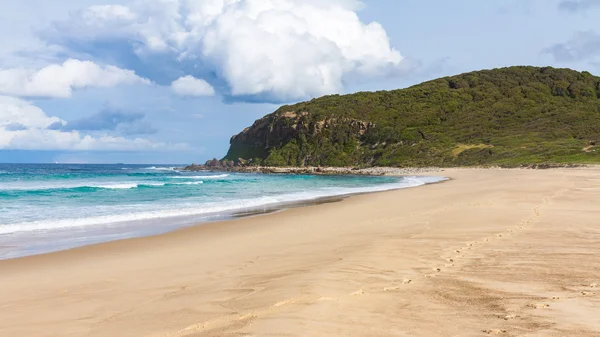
(508, 116)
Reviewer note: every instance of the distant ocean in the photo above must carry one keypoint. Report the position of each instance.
(50, 207)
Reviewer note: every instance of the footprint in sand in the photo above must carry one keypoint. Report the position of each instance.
(390, 289)
(247, 317)
(587, 293)
(594, 285)
(358, 293)
(282, 303)
(539, 305)
(509, 317)
(495, 331)
(556, 298)
(404, 282)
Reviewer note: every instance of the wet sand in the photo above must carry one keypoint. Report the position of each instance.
(491, 252)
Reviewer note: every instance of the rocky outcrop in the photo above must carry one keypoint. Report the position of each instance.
(279, 128)
(371, 171)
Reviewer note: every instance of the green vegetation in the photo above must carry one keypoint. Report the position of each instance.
(509, 116)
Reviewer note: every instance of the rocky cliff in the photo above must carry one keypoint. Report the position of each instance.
(260, 142)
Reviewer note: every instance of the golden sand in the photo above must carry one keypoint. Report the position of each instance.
(491, 252)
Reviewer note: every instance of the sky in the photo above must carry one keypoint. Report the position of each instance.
(170, 81)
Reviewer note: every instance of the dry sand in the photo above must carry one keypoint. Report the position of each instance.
(498, 252)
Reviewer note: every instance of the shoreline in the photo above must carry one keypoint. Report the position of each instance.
(368, 171)
(230, 220)
(234, 216)
(313, 170)
(487, 252)
(174, 224)
(253, 213)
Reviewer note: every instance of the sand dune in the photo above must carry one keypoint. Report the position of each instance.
(491, 252)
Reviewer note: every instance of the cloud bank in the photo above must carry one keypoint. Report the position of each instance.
(580, 47)
(59, 80)
(24, 126)
(109, 120)
(277, 50)
(574, 6)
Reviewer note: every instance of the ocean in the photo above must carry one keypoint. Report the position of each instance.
(51, 207)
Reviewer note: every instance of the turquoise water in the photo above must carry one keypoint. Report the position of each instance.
(52, 207)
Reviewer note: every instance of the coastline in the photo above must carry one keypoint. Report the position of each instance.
(314, 170)
(320, 268)
(22, 244)
(367, 171)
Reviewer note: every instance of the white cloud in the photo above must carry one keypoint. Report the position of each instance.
(191, 86)
(14, 110)
(108, 12)
(282, 49)
(32, 132)
(59, 80)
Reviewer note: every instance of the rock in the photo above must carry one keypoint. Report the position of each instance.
(240, 162)
(194, 167)
(280, 128)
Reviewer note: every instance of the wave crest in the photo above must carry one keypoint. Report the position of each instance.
(220, 176)
(119, 186)
(154, 168)
(211, 207)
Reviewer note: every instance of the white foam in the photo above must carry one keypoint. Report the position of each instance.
(41, 186)
(115, 186)
(190, 183)
(154, 168)
(137, 185)
(220, 176)
(195, 209)
(83, 184)
(36, 186)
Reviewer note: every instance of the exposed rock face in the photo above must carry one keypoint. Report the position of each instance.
(280, 128)
(269, 131)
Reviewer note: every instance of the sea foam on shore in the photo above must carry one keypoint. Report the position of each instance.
(74, 205)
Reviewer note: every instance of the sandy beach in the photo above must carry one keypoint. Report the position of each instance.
(490, 252)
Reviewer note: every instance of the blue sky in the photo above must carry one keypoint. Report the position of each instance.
(170, 81)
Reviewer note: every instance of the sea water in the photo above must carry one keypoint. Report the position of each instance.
(45, 208)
